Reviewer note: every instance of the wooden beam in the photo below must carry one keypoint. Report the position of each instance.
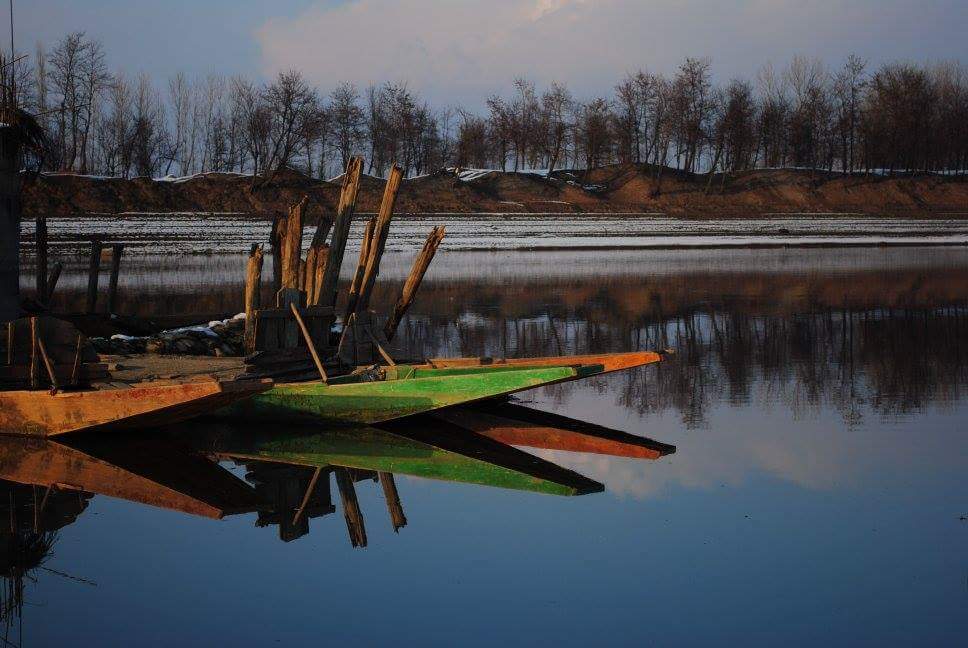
(55, 273)
(354, 291)
(54, 386)
(414, 279)
(117, 250)
(93, 274)
(341, 230)
(291, 244)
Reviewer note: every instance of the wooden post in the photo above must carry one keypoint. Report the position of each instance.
(291, 245)
(394, 506)
(253, 295)
(55, 273)
(93, 273)
(380, 234)
(275, 242)
(354, 292)
(309, 341)
(41, 239)
(319, 269)
(34, 353)
(47, 363)
(117, 249)
(351, 507)
(10, 332)
(413, 280)
(341, 231)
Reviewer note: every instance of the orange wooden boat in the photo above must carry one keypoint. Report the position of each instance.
(150, 404)
(517, 425)
(609, 361)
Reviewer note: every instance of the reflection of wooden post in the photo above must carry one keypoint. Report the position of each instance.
(253, 286)
(93, 273)
(116, 251)
(380, 233)
(351, 507)
(394, 506)
(341, 231)
(41, 239)
(413, 280)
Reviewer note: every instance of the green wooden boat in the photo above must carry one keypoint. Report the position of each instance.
(453, 455)
(401, 390)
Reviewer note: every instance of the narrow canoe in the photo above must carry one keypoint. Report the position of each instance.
(39, 413)
(404, 391)
(437, 451)
(524, 426)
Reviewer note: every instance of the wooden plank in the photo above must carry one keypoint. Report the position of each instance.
(309, 342)
(414, 279)
(289, 332)
(341, 230)
(117, 250)
(93, 274)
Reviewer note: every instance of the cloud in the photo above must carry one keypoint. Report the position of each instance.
(464, 50)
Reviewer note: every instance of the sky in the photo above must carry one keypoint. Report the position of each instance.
(462, 51)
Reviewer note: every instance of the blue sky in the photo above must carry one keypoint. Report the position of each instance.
(463, 50)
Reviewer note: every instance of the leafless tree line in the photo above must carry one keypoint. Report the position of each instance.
(902, 117)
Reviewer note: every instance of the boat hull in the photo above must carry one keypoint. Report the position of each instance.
(384, 400)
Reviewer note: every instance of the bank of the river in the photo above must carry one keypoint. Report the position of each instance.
(609, 190)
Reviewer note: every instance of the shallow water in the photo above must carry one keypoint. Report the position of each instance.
(818, 400)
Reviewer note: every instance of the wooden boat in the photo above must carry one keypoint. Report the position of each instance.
(40, 413)
(525, 426)
(367, 397)
(433, 451)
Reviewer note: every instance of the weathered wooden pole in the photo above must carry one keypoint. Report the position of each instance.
(413, 280)
(275, 243)
(93, 274)
(253, 295)
(291, 244)
(341, 231)
(392, 497)
(380, 233)
(351, 507)
(40, 237)
(356, 282)
(34, 355)
(10, 209)
(117, 250)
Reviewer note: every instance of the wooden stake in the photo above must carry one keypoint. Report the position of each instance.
(55, 273)
(117, 250)
(351, 507)
(394, 506)
(47, 363)
(253, 294)
(413, 280)
(291, 244)
(380, 234)
(354, 291)
(41, 240)
(93, 273)
(319, 269)
(341, 230)
(34, 368)
(309, 342)
(379, 347)
(307, 496)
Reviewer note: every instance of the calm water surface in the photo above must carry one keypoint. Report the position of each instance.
(818, 400)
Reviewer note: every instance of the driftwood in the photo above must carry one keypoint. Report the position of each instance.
(413, 281)
(341, 230)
